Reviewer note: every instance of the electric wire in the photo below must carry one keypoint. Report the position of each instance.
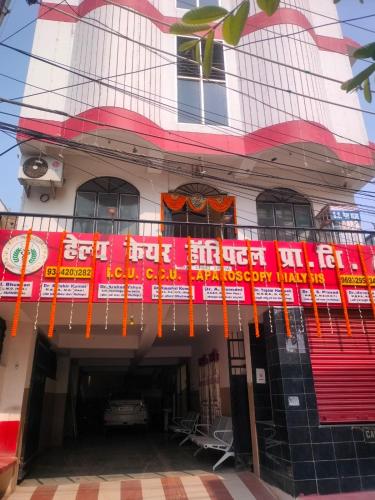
(226, 170)
(174, 55)
(135, 159)
(273, 107)
(141, 44)
(266, 140)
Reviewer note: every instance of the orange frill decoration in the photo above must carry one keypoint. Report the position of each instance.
(190, 279)
(367, 279)
(91, 288)
(176, 202)
(17, 309)
(223, 292)
(282, 286)
(160, 290)
(52, 315)
(312, 291)
(342, 293)
(126, 288)
(252, 291)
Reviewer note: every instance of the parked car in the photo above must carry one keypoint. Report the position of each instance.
(121, 412)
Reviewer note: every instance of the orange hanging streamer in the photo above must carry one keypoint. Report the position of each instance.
(176, 202)
(312, 290)
(223, 292)
(190, 279)
(252, 291)
(342, 293)
(126, 288)
(282, 286)
(91, 287)
(367, 279)
(52, 315)
(17, 309)
(160, 290)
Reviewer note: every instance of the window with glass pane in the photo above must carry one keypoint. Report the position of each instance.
(85, 207)
(128, 210)
(189, 4)
(189, 101)
(201, 100)
(215, 103)
(106, 198)
(287, 210)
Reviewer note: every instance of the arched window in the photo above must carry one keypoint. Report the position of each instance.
(286, 209)
(108, 198)
(202, 206)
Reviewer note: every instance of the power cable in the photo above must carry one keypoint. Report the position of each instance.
(174, 55)
(93, 121)
(298, 94)
(31, 22)
(137, 160)
(329, 17)
(266, 140)
(111, 31)
(110, 86)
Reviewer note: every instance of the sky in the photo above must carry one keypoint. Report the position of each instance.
(15, 65)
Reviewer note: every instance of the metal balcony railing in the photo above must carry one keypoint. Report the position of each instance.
(50, 223)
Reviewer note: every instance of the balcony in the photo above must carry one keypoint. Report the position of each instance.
(57, 223)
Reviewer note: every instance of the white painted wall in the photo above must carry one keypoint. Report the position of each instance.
(99, 54)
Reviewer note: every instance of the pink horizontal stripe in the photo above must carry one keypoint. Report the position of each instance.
(66, 13)
(291, 132)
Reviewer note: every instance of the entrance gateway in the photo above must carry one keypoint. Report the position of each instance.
(174, 325)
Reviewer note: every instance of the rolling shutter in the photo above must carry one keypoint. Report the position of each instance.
(343, 367)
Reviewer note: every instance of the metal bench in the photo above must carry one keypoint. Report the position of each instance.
(217, 436)
(185, 426)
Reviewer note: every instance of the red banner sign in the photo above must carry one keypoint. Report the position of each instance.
(211, 267)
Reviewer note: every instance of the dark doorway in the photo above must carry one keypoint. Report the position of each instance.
(44, 366)
(239, 399)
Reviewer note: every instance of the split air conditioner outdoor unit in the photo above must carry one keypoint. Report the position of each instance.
(43, 171)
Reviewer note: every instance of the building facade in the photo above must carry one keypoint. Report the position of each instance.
(138, 175)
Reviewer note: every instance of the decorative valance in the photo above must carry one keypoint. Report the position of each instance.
(197, 202)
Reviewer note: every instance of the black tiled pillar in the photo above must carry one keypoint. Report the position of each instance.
(296, 453)
(285, 445)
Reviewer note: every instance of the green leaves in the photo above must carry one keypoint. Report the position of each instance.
(234, 24)
(190, 45)
(185, 46)
(367, 90)
(357, 80)
(268, 6)
(365, 52)
(186, 29)
(204, 15)
(362, 78)
(208, 54)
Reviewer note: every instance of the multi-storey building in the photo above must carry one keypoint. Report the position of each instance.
(165, 218)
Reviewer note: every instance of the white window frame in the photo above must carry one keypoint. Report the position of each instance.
(201, 81)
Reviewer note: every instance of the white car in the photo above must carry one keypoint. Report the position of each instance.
(124, 412)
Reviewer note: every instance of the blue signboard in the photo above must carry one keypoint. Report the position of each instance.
(342, 215)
